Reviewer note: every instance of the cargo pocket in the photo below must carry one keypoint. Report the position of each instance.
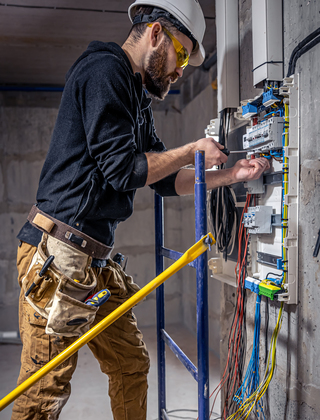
(69, 315)
(39, 290)
(127, 287)
(44, 288)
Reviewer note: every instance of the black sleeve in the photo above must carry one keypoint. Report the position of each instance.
(166, 186)
(108, 113)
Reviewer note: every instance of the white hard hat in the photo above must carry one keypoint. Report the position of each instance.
(188, 13)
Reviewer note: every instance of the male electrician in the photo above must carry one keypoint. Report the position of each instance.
(103, 148)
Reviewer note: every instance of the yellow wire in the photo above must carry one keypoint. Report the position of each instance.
(246, 408)
(286, 182)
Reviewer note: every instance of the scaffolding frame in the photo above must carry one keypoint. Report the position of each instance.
(201, 372)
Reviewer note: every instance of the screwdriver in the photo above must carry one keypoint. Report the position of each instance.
(227, 152)
(99, 298)
(43, 270)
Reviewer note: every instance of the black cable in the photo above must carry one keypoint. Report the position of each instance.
(76, 9)
(267, 62)
(299, 46)
(273, 274)
(224, 219)
(302, 51)
(222, 202)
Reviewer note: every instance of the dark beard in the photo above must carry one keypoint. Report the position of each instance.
(157, 82)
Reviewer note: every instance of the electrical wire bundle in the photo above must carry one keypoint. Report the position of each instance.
(233, 373)
(224, 218)
(248, 405)
(251, 379)
(222, 202)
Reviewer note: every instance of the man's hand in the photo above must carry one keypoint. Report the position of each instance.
(212, 149)
(248, 170)
(243, 170)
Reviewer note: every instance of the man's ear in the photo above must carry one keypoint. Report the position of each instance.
(156, 34)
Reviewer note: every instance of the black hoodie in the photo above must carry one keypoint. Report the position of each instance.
(96, 157)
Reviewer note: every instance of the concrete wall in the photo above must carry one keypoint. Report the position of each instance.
(295, 388)
(24, 137)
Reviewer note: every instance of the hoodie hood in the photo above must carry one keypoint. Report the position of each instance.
(97, 47)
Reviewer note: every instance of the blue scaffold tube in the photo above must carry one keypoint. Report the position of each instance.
(202, 288)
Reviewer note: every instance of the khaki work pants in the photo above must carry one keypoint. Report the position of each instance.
(119, 349)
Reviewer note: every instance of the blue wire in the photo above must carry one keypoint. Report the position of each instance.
(251, 379)
(279, 110)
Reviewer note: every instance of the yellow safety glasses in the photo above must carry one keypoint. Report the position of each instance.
(182, 53)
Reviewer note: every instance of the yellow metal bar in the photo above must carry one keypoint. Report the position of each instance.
(190, 255)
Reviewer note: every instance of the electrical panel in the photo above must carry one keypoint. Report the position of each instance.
(270, 217)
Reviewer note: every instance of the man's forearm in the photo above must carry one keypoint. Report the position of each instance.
(185, 180)
(160, 165)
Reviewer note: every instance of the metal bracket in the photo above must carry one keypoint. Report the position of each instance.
(274, 178)
(267, 259)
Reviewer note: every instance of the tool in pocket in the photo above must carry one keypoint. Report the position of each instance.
(99, 298)
(42, 272)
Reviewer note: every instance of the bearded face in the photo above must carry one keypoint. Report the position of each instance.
(157, 79)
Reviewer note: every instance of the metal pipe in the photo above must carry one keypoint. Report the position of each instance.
(161, 356)
(190, 255)
(31, 88)
(174, 255)
(202, 289)
(12, 88)
(184, 359)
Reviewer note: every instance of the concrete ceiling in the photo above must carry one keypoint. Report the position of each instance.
(40, 39)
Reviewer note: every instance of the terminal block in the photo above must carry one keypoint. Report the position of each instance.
(258, 219)
(252, 284)
(249, 110)
(268, 289)
(267, 135)
(269, 98)
(265, 287)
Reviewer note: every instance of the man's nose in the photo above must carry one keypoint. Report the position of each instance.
(179, 71)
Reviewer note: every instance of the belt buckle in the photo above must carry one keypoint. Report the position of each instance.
(75, 239)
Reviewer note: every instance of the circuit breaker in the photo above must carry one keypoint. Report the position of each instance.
(266, 135)
(258, 219)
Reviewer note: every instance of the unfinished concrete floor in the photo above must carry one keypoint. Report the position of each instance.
(89, 397)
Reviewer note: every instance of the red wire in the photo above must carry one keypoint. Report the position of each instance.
(239, 315)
